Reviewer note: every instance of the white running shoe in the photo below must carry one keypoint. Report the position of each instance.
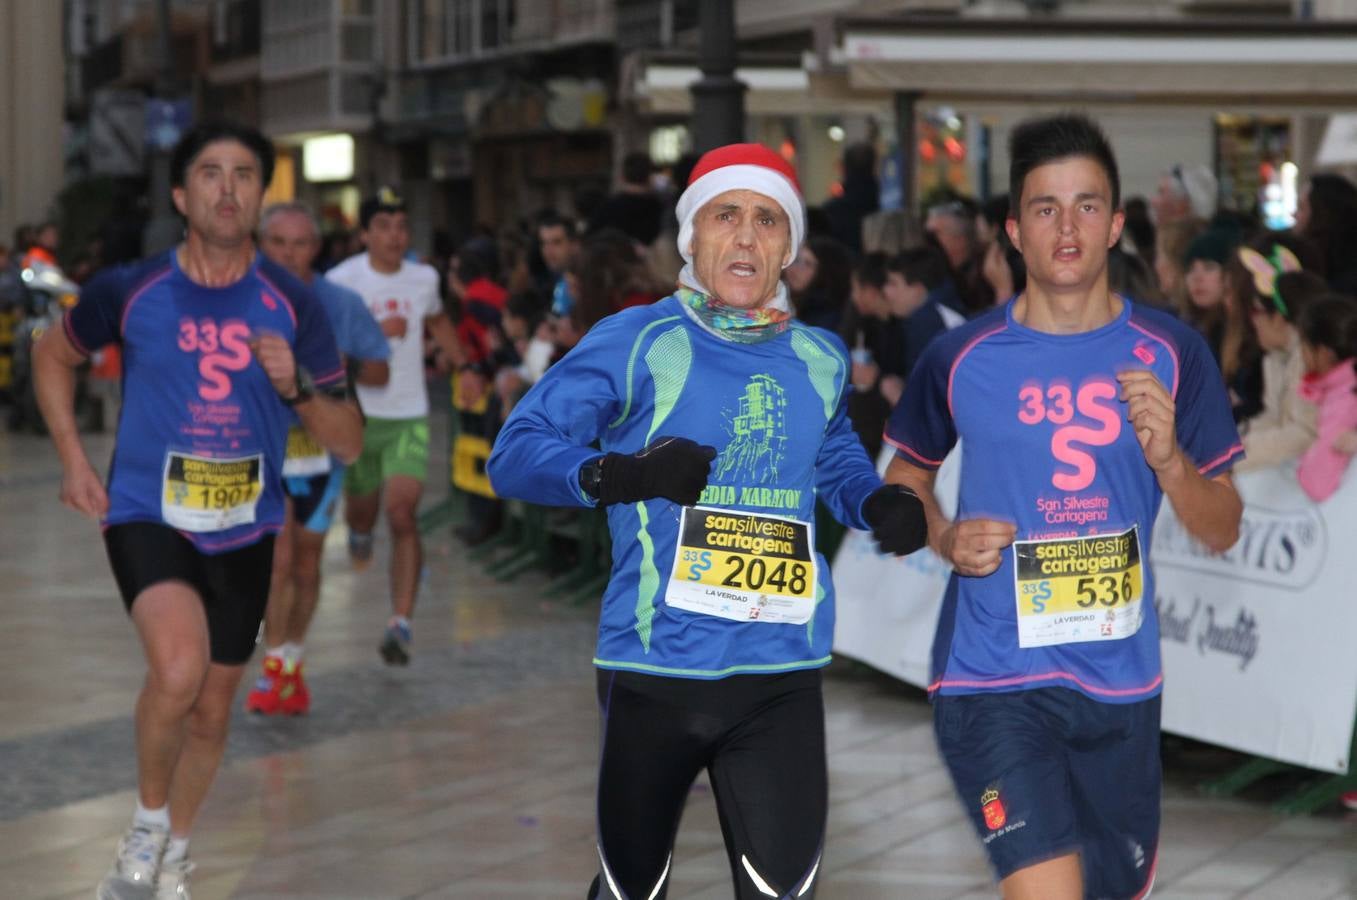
(133, 875)
(173, 881)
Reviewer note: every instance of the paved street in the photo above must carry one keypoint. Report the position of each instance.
(470, 775)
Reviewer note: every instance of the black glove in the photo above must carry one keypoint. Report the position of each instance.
(674, 468)
(896, 515)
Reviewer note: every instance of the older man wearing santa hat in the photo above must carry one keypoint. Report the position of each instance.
(708, 424)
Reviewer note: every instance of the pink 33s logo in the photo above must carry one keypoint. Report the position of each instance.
(221, 348)
(1088, 418)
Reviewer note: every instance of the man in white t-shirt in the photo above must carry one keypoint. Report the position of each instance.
(403, 297)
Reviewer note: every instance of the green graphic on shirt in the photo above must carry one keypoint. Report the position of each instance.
(631, 366)
(648, 584)
(825, 368)
(669, 360)
(758, 434)
(810, 626)
(731, 495)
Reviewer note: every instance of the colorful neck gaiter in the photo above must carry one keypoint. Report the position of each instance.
(743, 326)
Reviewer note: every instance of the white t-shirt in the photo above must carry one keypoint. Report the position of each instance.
(411, 292)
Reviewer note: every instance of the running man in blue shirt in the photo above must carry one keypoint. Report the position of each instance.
(220, 349)
(1077, 411)
(720, 421)
(289, 235)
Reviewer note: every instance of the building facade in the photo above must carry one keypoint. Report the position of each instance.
(486, 111)
(32, 111)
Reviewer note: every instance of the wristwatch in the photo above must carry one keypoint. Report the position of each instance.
(306, 388)
(591, 476)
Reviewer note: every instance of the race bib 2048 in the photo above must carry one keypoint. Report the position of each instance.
(743, 566)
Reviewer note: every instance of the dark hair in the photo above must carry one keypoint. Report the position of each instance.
(871, 270)
(1139, 228)
(588, 200)
(552, 219)
(25, 236)
(636, 168)
(528, 305)
(386, 200)
(477, 259)
(995, 210)
(859, 158)
(1037, 142)
(831, 286)
(817, 222)
(922, 265)
(1130, 276)
(1331, 321)
(956, 206)
(196, 139)
(1333, 219)
(1298, 290)
(607, 269)
(1308, 253)
(683, 170)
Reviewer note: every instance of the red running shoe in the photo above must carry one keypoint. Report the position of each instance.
(1349, 800)
(267, 694)
(296, 699)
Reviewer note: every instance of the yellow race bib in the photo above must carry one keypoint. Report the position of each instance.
(1071, 590)
(744, 566)
(202, 493)
(305, 456)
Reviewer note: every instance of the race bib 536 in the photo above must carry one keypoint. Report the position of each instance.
(1078, 589)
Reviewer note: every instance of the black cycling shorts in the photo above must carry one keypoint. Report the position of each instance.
(234, 586)
(762, 740)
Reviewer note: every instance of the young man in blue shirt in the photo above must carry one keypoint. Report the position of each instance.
(1077, 410)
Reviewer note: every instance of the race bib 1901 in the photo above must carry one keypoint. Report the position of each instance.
(1078, 589)
(743, 566)
(201, 493)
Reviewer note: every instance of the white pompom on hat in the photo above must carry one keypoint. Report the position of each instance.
(734, 167)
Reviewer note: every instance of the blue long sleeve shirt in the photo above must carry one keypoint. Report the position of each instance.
(775, 412)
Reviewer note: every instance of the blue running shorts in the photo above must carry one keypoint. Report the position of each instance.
(1047, 772)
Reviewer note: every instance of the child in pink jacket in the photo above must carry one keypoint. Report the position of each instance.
(1328, 331)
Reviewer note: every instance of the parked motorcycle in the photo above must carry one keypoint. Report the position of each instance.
(45, 296)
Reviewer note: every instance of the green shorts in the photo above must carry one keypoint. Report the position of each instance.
(390, 447)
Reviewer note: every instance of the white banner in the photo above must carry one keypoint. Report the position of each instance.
(1258, 642)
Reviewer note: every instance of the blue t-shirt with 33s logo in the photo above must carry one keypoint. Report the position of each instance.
(202, 432)
(1046, 445)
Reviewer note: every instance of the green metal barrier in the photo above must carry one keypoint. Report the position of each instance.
(1311, 796)
(542, 539)
(530, 551)
(588, 528)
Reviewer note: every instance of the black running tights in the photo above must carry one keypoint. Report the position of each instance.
(761, 738)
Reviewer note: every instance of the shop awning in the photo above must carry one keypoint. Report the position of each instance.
(1288, 67)
(785, 85)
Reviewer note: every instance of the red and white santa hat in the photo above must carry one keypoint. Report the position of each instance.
(751, 167)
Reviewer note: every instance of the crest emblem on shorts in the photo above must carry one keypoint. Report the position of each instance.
(993, 808)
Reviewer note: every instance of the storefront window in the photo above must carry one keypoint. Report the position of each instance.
(943, 156)
(1256, 169)
(448, 29)
(668, 143)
